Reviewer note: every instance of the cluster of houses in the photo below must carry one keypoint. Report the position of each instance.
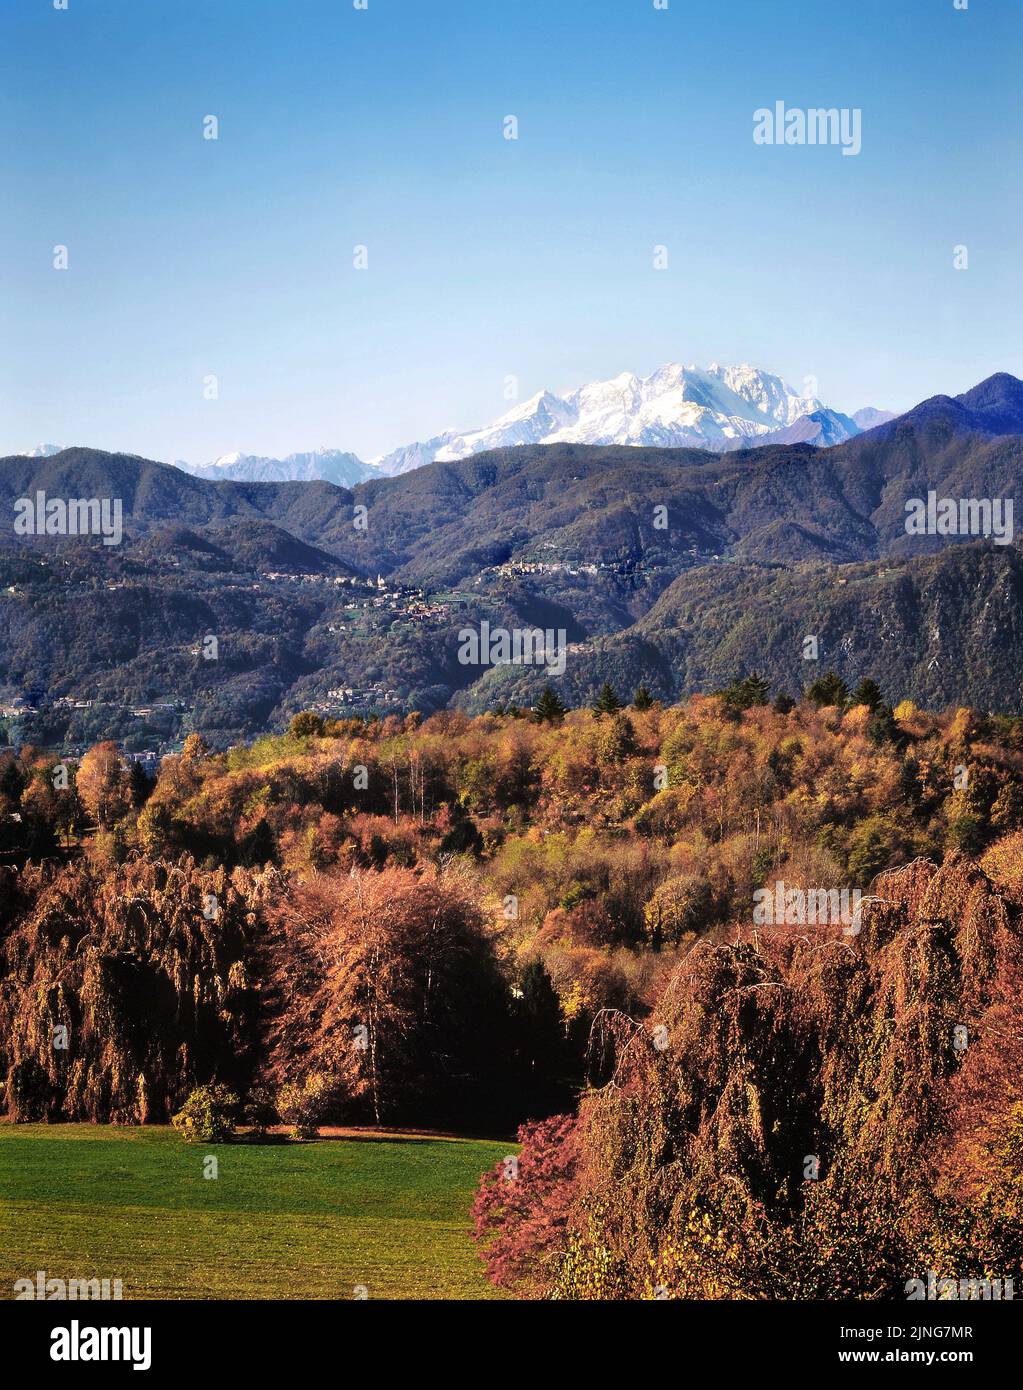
(403, 600)
(17, 708)
(149, 759)
(513, 568)
(347, 697)
(517, 568)
(66, 702)
(341, 580)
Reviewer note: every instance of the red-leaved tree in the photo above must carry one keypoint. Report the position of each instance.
(521, 1211)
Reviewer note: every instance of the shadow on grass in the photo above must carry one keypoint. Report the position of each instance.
(370, 1134)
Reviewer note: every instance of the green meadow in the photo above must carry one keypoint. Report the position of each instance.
(281, 1220)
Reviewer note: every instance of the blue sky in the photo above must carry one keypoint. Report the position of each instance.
(487, 257)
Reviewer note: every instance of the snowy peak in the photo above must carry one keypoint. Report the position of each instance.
(330, 465)
(533, 422)
(716, 407)
(677, 406)
(767, 395)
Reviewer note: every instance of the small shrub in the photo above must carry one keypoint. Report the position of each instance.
(260, 1112)
(207, 1116)
(302, 1105)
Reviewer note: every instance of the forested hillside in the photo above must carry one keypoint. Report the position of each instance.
(673, 567)
(488, 922)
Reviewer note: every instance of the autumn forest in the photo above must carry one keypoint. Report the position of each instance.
(538, 925)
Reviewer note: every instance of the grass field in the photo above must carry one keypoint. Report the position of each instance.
(282, 1220)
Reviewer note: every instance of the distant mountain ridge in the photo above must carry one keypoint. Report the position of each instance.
(323, 465)
(760, 546)
(869, 417)
(718, 408)
(764, 500)
(994, 406)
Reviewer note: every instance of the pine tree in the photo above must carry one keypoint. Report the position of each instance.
(642, 698)
(829, 689)
(139, 784)
(868, 692)
(607, 702)
(548, 708)
(883, 727)
(745, 693)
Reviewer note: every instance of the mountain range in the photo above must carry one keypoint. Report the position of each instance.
(323, 465)
(717, 408)
(756, 548)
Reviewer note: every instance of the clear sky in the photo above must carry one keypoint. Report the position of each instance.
(488, 257)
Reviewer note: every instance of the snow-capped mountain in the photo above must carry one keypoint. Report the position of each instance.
(412, 456)
(44, 451)
(715, 408)
(331, 465)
